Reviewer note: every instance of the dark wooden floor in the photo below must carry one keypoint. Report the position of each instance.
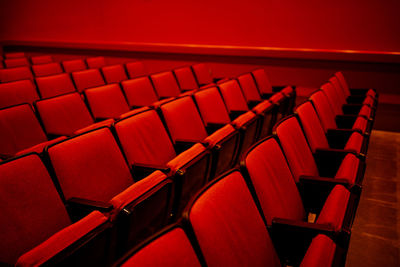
(375, 239)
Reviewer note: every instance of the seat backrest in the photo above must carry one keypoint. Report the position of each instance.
(74, 65)
(186, 78)
(135, 69)
(233, 96)
(14, 54)
(16, 62)
(343, 83)
(183, 120)
(312, 126)
(90, 166)
(324, 110)
(333, 98)
(211, 106)
(55, 85)
(15, 74)
(87, 79)
(41, 59)
(202, 73)
(338, 87)
(273, 181)
(18, 92)
(249, 87)
(262, 81)
(114, 73)
(47, 69)
(106, 101)
(63, 115)
(31, 209)
(139, 92)
(95, 62)
(19, 129)
(296, 148)
(165, 84)
(224, 216)
(144, 139)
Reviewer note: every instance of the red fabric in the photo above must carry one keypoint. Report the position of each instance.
(229, 228)
(106, 101)
(139, 92)
(244, 119)
(186, 79)
(171, 249)
(93, 126)
(321, 252)
(185, 157)
(203, 73)
(14, 54)
(262, 81)
(365, 111)
(360, 124)
(337, 86)
(296, 149)
(95, 62)
(63, 115)
(324, 110)
(47, 69)
(165, 84)
(41, 59)
(87, 79)
(334, 100)
(348, 169)
(233, 96)
(369, 101)
(144, 139)
(343, 83)
(18, 92)
(211, 106)
(274, 183)
(355, 142)
(335, 208)
(55, 85)
(183, 120)
(133, 112)
(39, 147)
(263, 107)
(277, 98)
(62, 240)
(135, 69)
(16, 62)
(15, 74)
(219, 135)
(91, 166)
(31, 209)
(20, 129)
(74, 65)
(249, 87)
(114, 73)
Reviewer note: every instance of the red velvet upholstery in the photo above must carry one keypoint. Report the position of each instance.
(165, 84)
(249, 87)
(233, 96)
(47, 69)
(135, 69)
(55, 85)
(87, 79)
(186, 79)
(95, 62)
(321, 252)
(139, 92)
(211, 106)
(114, 73)
(74, 65)
(225, 217)
(349, 168)
(106, 101)
(15, 74)
(16, 62)
(17, 92)
(262, 81)
(41, 60)
(14, 54)
(202, 73)
(39, 147)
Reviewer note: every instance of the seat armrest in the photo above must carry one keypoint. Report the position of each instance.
(142, 170)
(184, 144)
(80, 207)
(236, 113)
(212, 127)
(252, 103)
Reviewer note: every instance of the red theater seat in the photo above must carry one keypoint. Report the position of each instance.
(249, 89)
(41, 60)
(263, 83)
(203, 74)
(18, 92)
(87, 79)
(16, 62)
(139, 92)
(95, 62)
(74, 65)
(354, 92)
(135, 69)
(186, 79)
(14, 55)
(47, 69)
(114, 73)
(165, 84)
(15, 74)
(36, 228)
(55, 85)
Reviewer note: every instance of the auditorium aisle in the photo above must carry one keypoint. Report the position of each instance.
(375, 239)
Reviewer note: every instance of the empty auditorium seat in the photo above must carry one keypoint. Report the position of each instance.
(114, 73)
(55, 85)
(46, 69)
(203, 74)
(65, 115)
(14, 54)
(135, 69)
(165, 84)
(90, 168)
(15, 74)
(95, 62)
(263, 83)
(41, 60)
(106, 101)
(233, 97)
(20, 131)
(16, 62)
(74, 65)
(87, 79)
(18, 92)
(249, 88)
(36, 228)
(186, 79)
(139, 92)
